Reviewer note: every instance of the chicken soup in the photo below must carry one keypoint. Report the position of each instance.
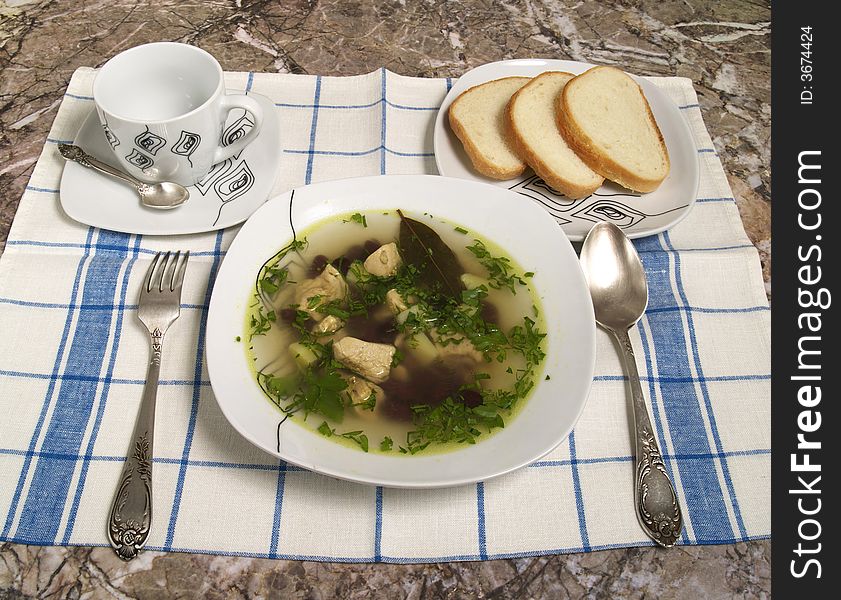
(395, 333)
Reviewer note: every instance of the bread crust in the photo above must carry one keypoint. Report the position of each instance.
(585, 147)
(568, 188)
(480, 163)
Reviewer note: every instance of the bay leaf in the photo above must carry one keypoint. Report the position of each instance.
(438, 267)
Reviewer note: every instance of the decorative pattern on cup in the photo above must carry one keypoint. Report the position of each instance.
(149, 142)
(139, 160)
(187, 143)
(237, 130)
(113, 140)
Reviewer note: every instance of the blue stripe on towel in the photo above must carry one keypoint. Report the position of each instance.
(287, 468)
(702, 491)
(355, 153)
(48, 490)
(112, 360)
(382, 122)
(36, 434)
(705, 396)
(579, 499)
(358, 106)
(313, 127)
(278, 508)
(378, 525)
(480, 508)
(660, 428)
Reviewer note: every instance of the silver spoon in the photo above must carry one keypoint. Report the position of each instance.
(162, 195)
(619, 290)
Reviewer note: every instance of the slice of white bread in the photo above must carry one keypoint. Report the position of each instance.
(604, 116)
(477, 117)
(535, 137)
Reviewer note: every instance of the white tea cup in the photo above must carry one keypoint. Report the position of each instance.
(163, 107)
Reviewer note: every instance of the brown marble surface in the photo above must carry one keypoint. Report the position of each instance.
(724, 47)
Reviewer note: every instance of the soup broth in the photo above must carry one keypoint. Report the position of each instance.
(395, 333)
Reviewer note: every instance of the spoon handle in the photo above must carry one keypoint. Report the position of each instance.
(658, 510)
(76, 154)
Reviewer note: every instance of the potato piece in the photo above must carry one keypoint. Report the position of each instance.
(403, 315)
(422, 348)
(304, 357)
(471, 281)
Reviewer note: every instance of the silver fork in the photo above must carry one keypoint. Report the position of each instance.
(131, 512)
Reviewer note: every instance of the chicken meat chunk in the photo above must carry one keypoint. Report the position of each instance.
(395, 302)
(384, 261)
(359, 393)
(327, 326)
(368, 359)
(327, 287)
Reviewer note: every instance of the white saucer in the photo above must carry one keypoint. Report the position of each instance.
(637, 214)
(226, 197)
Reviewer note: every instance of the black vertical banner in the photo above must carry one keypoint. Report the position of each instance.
(805, 248)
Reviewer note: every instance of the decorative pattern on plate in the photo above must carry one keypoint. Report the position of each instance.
(620, 208)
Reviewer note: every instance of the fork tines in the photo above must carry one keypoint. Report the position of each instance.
(167, 269)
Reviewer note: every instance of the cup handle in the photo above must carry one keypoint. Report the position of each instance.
(230, 102)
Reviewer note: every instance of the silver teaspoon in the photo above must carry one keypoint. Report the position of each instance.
(619, 290)
(162, 195)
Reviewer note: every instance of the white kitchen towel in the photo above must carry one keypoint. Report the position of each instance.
(73, 361)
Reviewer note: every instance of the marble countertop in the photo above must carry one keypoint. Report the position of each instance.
(724, 47)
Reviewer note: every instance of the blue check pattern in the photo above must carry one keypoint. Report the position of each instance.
(72, 367)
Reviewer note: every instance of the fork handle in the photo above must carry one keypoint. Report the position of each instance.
(131, 512)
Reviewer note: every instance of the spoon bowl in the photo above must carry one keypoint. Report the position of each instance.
(618, 287)
(163, 195)
(615, 276)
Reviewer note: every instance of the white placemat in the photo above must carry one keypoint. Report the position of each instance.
(73, 361)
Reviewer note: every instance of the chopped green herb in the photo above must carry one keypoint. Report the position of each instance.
(386, 444)
(358, 218)
(262, 321)
(358, 437)
(461, 230)
(499, 268)
(369, 403)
